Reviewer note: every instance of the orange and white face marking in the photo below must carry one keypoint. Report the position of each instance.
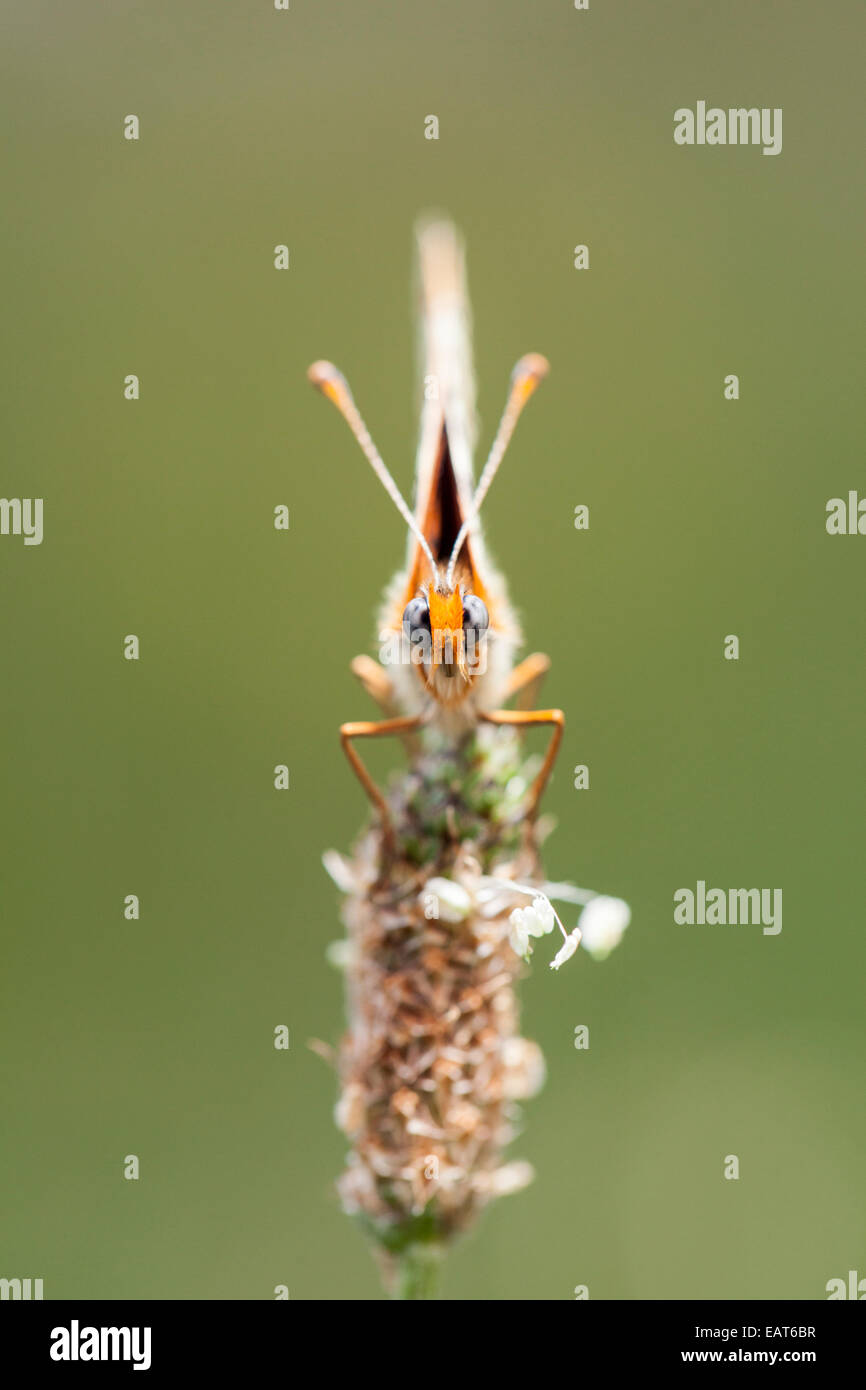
(446, 626)
(447, 634)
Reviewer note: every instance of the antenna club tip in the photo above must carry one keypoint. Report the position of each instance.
(531, 369)
(325, 377)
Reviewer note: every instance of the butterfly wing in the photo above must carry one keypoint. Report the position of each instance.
(443, 467)
(446, 356)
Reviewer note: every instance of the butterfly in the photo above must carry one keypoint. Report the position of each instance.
(451, 634)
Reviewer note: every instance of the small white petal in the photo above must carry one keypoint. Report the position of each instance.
(566, 950)
(518, 936)
(511, 1177)
(544, 913)
(453, 902)
(341, 870)
(602, 923)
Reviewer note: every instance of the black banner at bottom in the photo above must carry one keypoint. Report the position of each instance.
(161, 1338)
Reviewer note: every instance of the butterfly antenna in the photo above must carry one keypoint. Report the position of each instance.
(527, 375)
(331, 382)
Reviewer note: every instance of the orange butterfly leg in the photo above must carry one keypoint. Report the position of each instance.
(380, 686)
(369, 728)
(376, 682)
(526, 679)
(524, 719)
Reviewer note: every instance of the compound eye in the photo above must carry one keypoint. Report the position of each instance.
(416, 619)
(475, 615)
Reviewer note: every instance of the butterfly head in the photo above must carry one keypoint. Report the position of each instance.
(447, 632)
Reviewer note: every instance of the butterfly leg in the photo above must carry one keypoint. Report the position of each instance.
(526, 679)
(380, 687)
(524, 719)
(368, 728)
(376, 682)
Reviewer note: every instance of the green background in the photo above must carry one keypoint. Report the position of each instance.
(707, 518)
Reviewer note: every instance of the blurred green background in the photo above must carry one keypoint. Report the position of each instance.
(707, 518)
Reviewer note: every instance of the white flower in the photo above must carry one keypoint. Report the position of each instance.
(543, 915)
(518, 937)
(511, 1177)
(536, 920)
(341, 870)
(602, 924)
(452, 902)
(566, 950)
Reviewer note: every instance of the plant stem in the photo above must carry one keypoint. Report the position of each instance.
(417, 1272)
